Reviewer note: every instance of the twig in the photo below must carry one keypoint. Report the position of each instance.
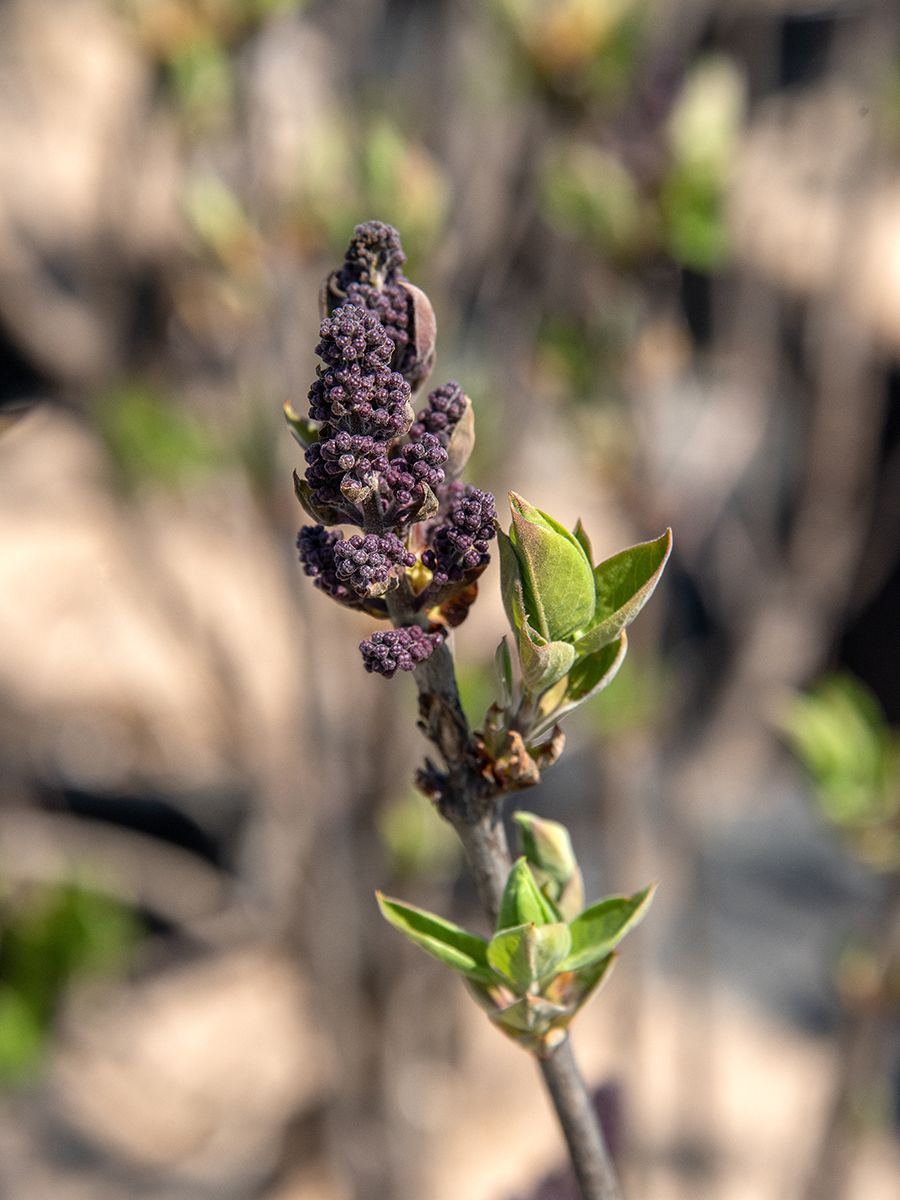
(584, 1137)
(472, 804)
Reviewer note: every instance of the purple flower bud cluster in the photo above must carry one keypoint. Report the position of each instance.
(343, 461)
(417, 463)
(459, 540)
(390, 304)
(367, 562)
(400, 649)
(371, 279)
(357, 390)
(348, 569)
(441, 413)
(424, 459)
(316, 546)
(361, 403)
(377, 466)
(374, 250)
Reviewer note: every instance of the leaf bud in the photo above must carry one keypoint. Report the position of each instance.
(556, 575)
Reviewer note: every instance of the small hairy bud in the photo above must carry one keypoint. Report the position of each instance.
(400, 649)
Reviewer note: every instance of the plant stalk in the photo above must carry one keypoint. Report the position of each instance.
(578, 1118)
(473, 807)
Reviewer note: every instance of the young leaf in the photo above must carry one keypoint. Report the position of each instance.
(543, 664)
(321, 514)
(428, 505)
(305, 432)
(583, 540)
(442, 939)
(522, 901)
(510, 582)
(600, 928)
(547, 844)
(503, 665)
(548, 848)
(588, 980)
(586, 677)
(526, 954)
(556, 574)
(624, 584)
(591, 673)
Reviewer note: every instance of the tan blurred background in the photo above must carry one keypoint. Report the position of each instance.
(663, 244)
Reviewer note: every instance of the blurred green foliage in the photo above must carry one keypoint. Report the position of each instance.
(703, 133)
(149, 438)
(193, 41)
(417, 841)
(583, 50)
(637, 704)
(50, 936)
(588, 193)
(840, 734)
(402, 182)
(593, 194)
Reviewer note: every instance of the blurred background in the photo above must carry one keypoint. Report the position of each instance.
(663, 244)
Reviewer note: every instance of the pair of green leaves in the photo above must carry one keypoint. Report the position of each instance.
(538, 969)
(569, 617)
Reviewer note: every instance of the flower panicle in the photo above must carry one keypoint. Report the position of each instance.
(373, 463)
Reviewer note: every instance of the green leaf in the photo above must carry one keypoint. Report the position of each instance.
(587, 676)
(593, 672)
(548, 848)
(529, 953)
(543, 664)
(510, 583)
(305, 432)
(503, 665)
(600, 928)
(571, 990)
(522, 901)
(557, 579)
(442, 939)
(583, 540)
(625, 583)
(589, 979)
